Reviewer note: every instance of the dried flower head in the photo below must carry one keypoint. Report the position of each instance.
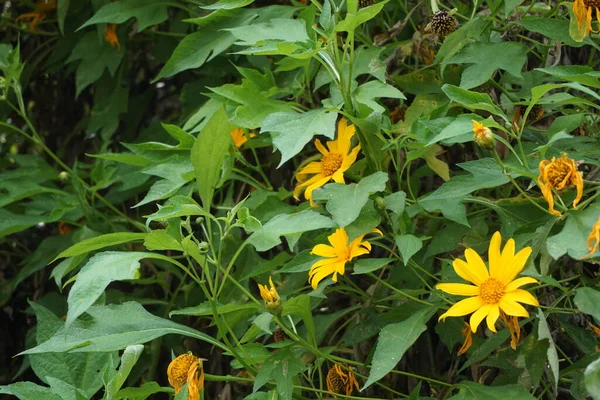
(366, 3)
(495, 289)
(593, 240)
(340, 381)
(514, 328)
(110, 35)
(40, 12)
(442, 24)
(186, 368)
(535, 114)
(559, 174)
(468, 334)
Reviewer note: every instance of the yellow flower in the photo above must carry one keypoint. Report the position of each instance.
(337, 255)
(239, 137)
(270, 296)
(337, 158)
(110, 35)
(41, 11)
(482, 135)
(558, 174)
(466, 332)
(340, 382)
(494, 290)
(583, 13)
(593, 240)
(186, 368)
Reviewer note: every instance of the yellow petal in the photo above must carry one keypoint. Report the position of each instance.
(512, 308)
(492, 317)
(476, 265)
(320, 182)
(463, 307)
(494, 255)
(339, 239)
(515, 266)
(478, 316)
(463, 270)
(459, 289)
(522, 296)
(517, 283)
(320, 147)
(323, 250)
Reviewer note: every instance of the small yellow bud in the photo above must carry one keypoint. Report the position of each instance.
(483, 136)
(271, 297)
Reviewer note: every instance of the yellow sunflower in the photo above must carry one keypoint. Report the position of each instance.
(583, 10)
(239, 137)
(337, 158)
(337, 255)
(494, 290)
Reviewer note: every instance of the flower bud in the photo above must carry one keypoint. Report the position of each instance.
(203, 247)
(379, 203)
(483, 136)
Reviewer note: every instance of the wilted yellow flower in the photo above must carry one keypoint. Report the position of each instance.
(340, 381)
(559, 174)
(483, 136)
(110, 35)
(593, 240)
(514, 328)
(466, 332)
(41, 11)
(337, 158)
(270, 296)
(337, 255)
(239, 137)
(494, 290)
(186, 368)
(583, 10)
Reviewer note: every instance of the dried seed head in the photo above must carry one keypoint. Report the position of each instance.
(366, 3)
(442, 24)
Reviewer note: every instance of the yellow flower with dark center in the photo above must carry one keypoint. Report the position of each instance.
(187, 368)
(559, 174)
(110, 35)
(340, 381)
(483, 136)
(466, 332)
(494, 290)
(239, 137)
(337, 158)
(593, 240)
(270, 296)
(337, 255)
(41, 11)
(583, 10)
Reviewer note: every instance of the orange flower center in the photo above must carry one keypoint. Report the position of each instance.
(331, 163)
(559, 172)
(491, 291)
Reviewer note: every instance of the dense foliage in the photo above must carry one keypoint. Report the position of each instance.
(299, 199)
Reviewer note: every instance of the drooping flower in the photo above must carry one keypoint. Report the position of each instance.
(466, 332)
(270, 296)
(583, 10)
(110, 35)
(187, 368)
(337, 255)
(337, 158)
(482, 135)
(340, 381)
(559, 174)
(239, 137)
(512, 322)
(42, 9)
(593, 240)
(494, 289)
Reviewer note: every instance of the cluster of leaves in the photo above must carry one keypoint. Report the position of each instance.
(121, 182)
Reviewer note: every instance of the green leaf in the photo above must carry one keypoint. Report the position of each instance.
(572, 239)
(28, 391)
(592, 379)
(292, 131)
(114, 327)
(97, 274)
(366, 265)
(555, 29)
(300, 305)
(208, 154)
(228, 4)
(394, 340)
(353, 20)
(282, 367)
(100, 242)
(198, 48)
(510, 6)
(491, 344)
(575, 73)
(472, 100)
(575, 31)
(206, 309)
(587, 300)
(344, 202)
(544, 333)
(128, 359)
(62, 6)
(280, 29)
(476, 391)
(486, 62)
(368, 92)
(160, 240)
(408, 245)
(176, 207)
(535, 353)
(65, 390)
(142, 392)
(147, 12)
(268, 236)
